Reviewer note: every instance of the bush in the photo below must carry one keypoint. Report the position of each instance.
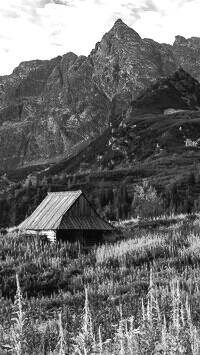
(146, 203)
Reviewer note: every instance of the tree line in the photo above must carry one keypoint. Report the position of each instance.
(124, 201)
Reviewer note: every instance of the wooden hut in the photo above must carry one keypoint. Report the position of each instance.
(68, 216)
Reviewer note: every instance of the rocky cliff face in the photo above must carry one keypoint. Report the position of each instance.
(48, 108)
(187, 54)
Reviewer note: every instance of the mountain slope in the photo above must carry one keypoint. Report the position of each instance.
(178, 91)
(163, 121)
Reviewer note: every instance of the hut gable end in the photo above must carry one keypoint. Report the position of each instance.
(81, 208)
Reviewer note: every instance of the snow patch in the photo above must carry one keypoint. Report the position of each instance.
(170, 111)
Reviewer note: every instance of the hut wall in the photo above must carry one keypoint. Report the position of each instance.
(87, 238)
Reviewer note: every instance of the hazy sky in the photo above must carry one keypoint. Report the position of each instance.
(43, 29)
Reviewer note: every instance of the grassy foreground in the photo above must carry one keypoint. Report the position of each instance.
(137, 296)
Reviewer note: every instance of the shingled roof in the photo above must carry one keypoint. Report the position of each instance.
(52, 214)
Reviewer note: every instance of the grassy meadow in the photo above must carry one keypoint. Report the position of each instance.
(137, 296)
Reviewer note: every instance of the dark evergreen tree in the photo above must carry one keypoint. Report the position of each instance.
(102, 197)
(123, 201)
(191, 179)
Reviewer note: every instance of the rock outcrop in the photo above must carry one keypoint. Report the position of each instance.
(187, 54)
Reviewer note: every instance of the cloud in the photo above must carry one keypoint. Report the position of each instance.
(62, 2)
(171, 17)
(46, 28)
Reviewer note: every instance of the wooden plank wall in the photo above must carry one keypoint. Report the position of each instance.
(81, 208)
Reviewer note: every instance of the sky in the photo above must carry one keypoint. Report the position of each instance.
(43, 29)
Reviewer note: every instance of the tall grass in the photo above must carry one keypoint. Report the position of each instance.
(136, 296)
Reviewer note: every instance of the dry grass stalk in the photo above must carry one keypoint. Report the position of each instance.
(18, 328)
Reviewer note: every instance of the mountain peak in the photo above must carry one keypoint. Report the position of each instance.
(122, 30)
(193, 42)
(119, 22)
(180, 40)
